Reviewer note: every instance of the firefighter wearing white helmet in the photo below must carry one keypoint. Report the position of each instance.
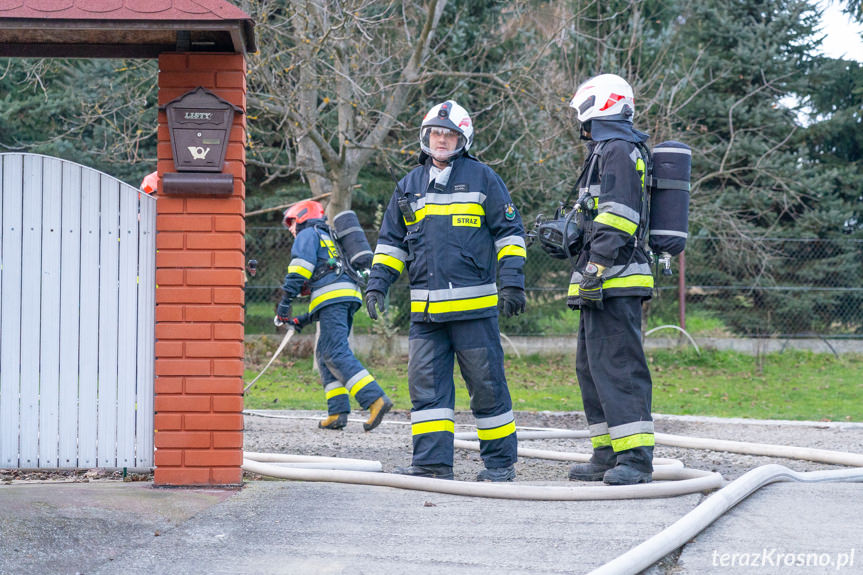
(452, 226)
(611, 281)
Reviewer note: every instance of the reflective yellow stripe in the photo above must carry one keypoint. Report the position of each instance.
(629, 281)
(300, 270)
(600, 441)
(331, 248)
(617, 222)
(361, 384)
(433, 426)
(632, 441)
(389, 261)
(639, 167)
(455, 305)
(337, 391)
(451, 209)
(418, 215)
(334, 294)
(497, 432)
(511, 251)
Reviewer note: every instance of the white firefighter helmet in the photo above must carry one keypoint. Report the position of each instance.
(604, 96)
(453, 117)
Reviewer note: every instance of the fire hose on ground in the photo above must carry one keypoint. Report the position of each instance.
(673, 479)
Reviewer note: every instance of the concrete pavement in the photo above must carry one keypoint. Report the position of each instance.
(277, 527)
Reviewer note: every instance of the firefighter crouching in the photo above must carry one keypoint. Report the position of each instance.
(452, 224)
(612, 278)
(335, 298)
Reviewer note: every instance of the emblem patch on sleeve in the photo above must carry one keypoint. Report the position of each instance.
(509, 211)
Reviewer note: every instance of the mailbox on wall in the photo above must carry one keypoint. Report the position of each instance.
(199, 123)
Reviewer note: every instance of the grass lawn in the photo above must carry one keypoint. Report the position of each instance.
(791, 385)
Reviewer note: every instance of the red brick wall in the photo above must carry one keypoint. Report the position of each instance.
(199, 296)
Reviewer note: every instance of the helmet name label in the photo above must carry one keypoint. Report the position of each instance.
(466, 221)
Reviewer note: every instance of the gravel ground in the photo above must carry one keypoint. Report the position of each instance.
(296, 432)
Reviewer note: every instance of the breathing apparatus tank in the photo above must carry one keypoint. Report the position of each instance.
(669, 200)
(352, 242)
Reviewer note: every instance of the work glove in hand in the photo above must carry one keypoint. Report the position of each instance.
(590, 288)
(512, 301)
(299, 322)
(283, 314)
(375, 302)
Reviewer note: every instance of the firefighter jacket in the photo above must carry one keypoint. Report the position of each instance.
(313, 256)
(611, 198)
(452, 237)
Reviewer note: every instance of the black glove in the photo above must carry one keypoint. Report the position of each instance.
(512, 301)
(590, 288)
(283, 314)
(375, 298)
(299, 322)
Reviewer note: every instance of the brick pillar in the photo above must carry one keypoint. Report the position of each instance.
(199, 296)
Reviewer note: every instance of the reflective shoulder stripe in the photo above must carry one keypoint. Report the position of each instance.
(616, 222)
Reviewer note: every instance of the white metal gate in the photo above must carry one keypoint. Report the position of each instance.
(77, 304)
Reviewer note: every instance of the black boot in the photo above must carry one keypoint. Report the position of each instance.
(602, 460)
(497, 474)
(626, 475)
(435, 470)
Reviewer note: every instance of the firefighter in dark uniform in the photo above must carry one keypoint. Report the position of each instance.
(335, 298)
(611, 281)
(452, 224)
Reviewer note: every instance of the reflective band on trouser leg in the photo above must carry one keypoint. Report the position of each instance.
(363, 387)
(632, 441)
(433, 431)
(601, 441)
(336, 396)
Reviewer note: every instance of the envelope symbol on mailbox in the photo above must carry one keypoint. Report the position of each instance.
(199, 153)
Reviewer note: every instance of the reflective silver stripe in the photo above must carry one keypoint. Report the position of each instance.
(669, 233)
(685, 151)
(508, 241)
(496, 421)
(361, 254)
(393, 251)
(453, 293)
(343, 233)
(302, 264)
(455, 198)
(635, 155)
(621, 210)
(333, 287)
(331, 386)
(420, 203)
(352, 381)
(594, 189)
(631, 269)
(598, 429)
(432, 415)
(626, 429)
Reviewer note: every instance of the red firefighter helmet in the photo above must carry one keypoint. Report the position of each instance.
(301, 212)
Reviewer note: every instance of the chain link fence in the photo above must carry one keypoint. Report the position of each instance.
(731, 288)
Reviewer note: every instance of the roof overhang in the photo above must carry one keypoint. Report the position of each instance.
(78, 38)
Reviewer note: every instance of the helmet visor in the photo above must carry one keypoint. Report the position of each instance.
(441, 143)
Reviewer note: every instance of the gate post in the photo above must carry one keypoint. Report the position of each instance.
(200, 254)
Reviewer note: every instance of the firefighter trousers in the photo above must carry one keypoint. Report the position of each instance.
(342, 374)
(615, 383)
(476, 345)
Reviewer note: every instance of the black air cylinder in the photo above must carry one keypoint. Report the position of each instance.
(355, 247)
(669, 197)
